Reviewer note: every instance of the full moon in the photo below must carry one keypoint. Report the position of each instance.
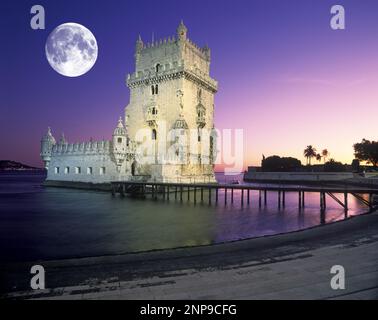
(71, 49)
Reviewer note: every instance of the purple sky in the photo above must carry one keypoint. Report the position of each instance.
(284, 75)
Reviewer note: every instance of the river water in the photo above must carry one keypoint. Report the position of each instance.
(51, 223)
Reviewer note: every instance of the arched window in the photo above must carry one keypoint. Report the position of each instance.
(158, 67)
(156, 89)
(153, 136)
(133, 168)
(153, 89)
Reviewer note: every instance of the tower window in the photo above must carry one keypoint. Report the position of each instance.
(153, 136)
(158, 67)
(77, 170)
(89, 170)
(154, 89)
(102, 170)
(119, 140)
(67, 170)
(56, 170)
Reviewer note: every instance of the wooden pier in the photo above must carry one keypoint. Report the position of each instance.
(176, 191)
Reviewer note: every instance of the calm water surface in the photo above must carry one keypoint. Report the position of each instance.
(45, 223)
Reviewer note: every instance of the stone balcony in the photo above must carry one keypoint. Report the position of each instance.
(150, 76)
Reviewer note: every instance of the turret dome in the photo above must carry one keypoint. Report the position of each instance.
(181, 31)
(48, 137)
(120, 129)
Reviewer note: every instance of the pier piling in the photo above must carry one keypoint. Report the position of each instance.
(259, 198)
(300, 200)
(303, 199)
(141, 189)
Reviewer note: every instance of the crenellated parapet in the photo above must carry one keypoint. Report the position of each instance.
(147, 47)
(172, 43)
(81, 148)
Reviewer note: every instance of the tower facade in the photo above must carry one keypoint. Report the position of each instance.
(170, 114)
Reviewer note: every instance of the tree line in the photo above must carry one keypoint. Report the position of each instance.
(365, 151)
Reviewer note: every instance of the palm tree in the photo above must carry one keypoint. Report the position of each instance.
(309, 152)
(325, 154)
(318, 157)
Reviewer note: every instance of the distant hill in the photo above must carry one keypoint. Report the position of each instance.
(8, 165)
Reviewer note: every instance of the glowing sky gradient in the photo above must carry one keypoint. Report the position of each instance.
(284, 76)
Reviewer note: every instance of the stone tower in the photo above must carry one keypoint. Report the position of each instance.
(171, 89)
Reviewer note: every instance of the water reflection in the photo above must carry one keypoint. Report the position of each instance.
(45, 223)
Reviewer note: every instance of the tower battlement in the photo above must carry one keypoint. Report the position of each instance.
(159, 54)
(169, 42)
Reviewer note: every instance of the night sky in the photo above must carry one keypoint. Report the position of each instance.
(284, 75)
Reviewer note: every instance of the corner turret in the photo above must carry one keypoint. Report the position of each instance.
(47, 143)
(119, 145)
(138, 47)
(182, 31)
